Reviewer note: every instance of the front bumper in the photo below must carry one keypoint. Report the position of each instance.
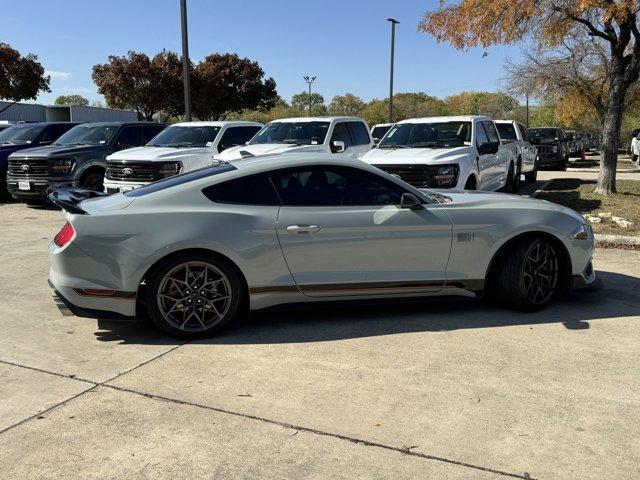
(37, 186)
(550, 160)
(587, 281)
(111, 187)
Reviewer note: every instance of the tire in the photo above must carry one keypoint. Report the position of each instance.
(470, 184)
(531, 177)
(190, 317)
(93, 180)
(516, 177)
(529, 277)
(509, 186)
(634, 158)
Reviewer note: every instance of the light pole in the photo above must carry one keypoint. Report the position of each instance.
(309, 80)
(185, 61)
(393, 46)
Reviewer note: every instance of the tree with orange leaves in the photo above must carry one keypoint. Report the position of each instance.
(549, 23)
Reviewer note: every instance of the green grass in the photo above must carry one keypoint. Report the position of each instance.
(579, 195)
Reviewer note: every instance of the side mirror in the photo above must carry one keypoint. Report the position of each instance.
(337, 146)
(410, 201)
(488, 147)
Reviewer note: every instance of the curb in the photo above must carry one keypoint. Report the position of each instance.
(617, 239)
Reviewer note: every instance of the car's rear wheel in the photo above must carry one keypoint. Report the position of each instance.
(194, 296)
(529, 277)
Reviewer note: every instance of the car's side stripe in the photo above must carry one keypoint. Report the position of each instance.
(403, 287)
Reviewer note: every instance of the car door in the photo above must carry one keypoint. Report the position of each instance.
(341, 133)
(343, 233)
(528, 150)
(499, 161)
(361, 137)
(485, 161)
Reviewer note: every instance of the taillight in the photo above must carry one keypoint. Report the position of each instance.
(65, 235)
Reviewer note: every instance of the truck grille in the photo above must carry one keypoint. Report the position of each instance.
(544, 149)
(415, 175)
(28, 167)
(134, 171)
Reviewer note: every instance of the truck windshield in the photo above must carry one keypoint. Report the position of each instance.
(427, 135)
(20, 134)
(544, 133)
(506, 131)
(88, 135)
(182, 136)
(297, 133)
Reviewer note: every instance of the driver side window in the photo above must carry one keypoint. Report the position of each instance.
(341, 133)
(334, 186)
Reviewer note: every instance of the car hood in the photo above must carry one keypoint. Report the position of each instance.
(6, 150)
(233, 153)
(155, 154)
(58, 150)
(390, 156)
(468, 198)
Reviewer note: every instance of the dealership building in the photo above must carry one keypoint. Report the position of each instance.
(31, 112)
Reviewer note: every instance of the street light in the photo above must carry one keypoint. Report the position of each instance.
(393, 45)
(309, 80)
(185, 61)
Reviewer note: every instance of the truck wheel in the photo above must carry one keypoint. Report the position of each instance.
(194, 296)
(93, 180)
(471, 183)
(529, 277)
(531, 177)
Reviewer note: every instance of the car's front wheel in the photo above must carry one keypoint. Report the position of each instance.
(529, 277)
(194, 296)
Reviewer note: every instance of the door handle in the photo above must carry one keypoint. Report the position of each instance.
(303, 229)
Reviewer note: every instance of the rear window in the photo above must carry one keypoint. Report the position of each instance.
(507, 131)
(180, 179)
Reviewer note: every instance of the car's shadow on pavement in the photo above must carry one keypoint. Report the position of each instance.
(326, 322)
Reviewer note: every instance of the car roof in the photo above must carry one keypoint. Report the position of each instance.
(43, 124)
(456, 118)
(239, 123)
(383, 125)
(506, 121)
(118, 124)
(261, 163)
(318, 119)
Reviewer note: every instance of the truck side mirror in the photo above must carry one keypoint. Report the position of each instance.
(337, 146)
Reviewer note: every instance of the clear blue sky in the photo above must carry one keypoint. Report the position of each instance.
(345, 43)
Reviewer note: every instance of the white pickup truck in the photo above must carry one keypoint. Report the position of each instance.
(179, 148)
(463, 152)
(346, 135)
(516, 135)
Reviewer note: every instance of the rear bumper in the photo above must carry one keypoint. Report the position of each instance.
(69, 309)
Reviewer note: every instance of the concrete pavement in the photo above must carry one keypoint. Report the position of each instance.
(431, 390)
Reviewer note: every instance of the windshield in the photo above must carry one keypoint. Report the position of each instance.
(185, 136)
(378, 132)
(506, 131)
(297, 133)
(88, 135)
(20, 134)
(427, 135)
(543, 133)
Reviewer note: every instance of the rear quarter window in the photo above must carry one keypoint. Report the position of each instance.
(251, 190)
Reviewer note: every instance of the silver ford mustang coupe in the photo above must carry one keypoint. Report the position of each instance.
(198, 249)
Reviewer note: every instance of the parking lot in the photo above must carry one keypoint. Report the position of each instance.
(427, 390)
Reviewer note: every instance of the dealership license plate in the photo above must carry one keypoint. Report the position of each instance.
(24, 186)
(125, 189)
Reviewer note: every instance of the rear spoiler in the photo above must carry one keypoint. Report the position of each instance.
(69, 199)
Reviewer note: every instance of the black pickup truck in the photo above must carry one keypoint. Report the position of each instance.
(76, 159)
(552, 145)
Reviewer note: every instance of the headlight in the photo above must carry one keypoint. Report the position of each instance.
(583, 232)
(447, 175)
(169, 169)
(62, 166)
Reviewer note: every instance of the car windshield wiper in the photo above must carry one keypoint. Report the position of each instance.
(389, 147)
(177, 145)
(8, 143)
(292, 141)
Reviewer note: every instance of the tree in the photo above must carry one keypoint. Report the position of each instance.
(145, 85)
(21, 78)
(405, 105)
(225, 84)
(77, 100)
(471, 23)
(494, 105)
(347, 104)
(313, 103)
